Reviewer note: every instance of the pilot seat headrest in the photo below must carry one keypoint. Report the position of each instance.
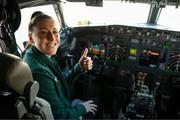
(15, 74)
(17, 82)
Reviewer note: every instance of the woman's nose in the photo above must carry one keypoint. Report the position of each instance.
(50, 36)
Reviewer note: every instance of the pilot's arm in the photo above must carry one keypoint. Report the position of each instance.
(85, 63)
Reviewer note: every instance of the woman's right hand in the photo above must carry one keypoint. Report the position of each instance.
(90, 106)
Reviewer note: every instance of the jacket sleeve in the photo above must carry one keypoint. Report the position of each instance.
(61, 107)
(73, 74)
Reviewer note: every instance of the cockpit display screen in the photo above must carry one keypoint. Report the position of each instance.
(97, 51)
(149, 58)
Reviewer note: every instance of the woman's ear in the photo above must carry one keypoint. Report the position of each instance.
(30, 38)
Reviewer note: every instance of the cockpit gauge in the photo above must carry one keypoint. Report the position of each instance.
(117, 52)
(132, 54)
(174, 62)
(97, 51)
(149, 58)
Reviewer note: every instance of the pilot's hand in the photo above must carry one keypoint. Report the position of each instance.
(85, 62)
(90, 106)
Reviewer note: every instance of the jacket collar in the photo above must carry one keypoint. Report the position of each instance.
(45, 60)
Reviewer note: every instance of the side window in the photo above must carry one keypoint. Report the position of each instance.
(22, 33)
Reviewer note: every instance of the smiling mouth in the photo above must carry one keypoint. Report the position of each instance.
(51, 45)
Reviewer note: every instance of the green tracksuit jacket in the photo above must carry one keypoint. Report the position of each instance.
(54, 84)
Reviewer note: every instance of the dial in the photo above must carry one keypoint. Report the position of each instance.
(117, 52)
(174, 62)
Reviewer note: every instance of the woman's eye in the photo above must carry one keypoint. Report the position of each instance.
(43, 32)
(55, 32)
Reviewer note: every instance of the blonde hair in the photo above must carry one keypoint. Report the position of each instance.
(36, 20)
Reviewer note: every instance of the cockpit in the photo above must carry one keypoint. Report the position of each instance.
(135, 48)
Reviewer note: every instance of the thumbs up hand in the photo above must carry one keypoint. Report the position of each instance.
(85, 62)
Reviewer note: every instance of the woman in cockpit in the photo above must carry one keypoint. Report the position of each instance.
(54, 85)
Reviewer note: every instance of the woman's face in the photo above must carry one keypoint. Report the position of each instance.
(45, 36)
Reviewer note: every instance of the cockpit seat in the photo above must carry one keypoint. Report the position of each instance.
(18, 91)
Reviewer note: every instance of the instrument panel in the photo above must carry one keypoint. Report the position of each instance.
(141, 47)
(128, 59)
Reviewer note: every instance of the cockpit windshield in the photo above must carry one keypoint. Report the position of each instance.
(170, 17)
(119, 13)
(112, 12)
